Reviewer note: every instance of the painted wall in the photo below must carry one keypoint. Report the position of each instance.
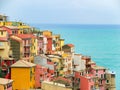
(47, 33)
(1, 87)
(4, 49)
(45, 86)
(49, 44)
(81, 64)
(23, 78)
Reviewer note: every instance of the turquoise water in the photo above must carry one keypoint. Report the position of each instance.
(101, 42)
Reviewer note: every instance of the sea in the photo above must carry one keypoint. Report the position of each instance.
(101, 42)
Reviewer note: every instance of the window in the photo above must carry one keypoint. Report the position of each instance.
(104, 75)
(1, 32)
(30, 74)
(1, 43)
(13, 32)
(107, 81)
(100, 81)
(101, 75)
(96, 71)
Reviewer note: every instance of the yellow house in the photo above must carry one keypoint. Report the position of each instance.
(23, 74)
(5, 84)
(34, 48)
(46, 33)
(2, 23)
(4, 44)
(61, 43)
(24, 29)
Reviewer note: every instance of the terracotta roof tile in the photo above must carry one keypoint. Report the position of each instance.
(70, 45)
(25, 36)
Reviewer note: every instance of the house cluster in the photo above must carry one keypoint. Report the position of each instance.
(34, 59)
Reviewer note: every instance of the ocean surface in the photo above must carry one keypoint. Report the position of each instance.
(101, 42)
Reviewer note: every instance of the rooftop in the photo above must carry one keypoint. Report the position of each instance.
(70, 45)
(23, 63)
(98, 67)
(12, 27)
(4, 81)
(16, 38)
(25, 36)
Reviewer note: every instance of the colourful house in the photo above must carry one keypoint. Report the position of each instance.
(78, 63)
(44, 71)
(12, 30)
(68, 48)
(5, 84)
(99, 77)
(83, 82)
(56, 42)
(4, 44)
(68, 63)
(40, 45)
(46, 33)
(23, 74)
(49, 44)
(61, 43)
(25, 45)
(110, 80)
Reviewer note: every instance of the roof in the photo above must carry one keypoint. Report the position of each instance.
(3, 39)
(98, 67)
(16, 38)
(25, 36)
(4, 81)
(2, 29)
(12, 27)
(23, 63)
(7, 58)
(69, 45)
(42, 60)
(91, 62)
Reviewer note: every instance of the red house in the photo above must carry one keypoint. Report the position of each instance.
(49, 44)
(84, 82)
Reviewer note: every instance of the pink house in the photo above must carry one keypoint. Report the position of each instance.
(99, 74)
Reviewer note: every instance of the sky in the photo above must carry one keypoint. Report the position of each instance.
(62, 11)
